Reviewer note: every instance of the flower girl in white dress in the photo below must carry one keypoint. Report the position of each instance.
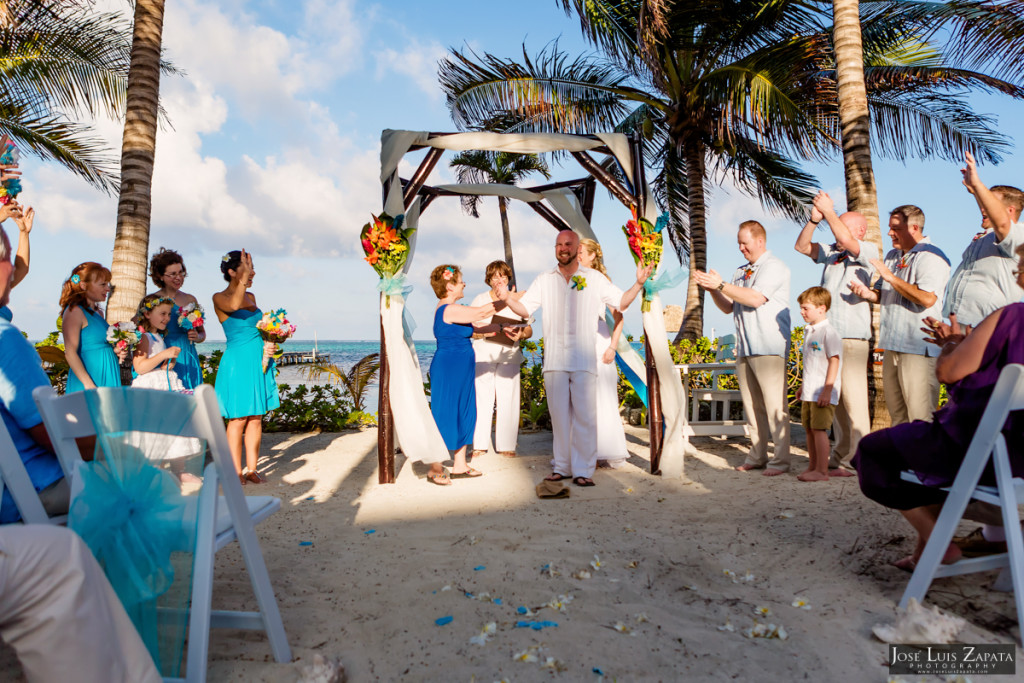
(154, 367)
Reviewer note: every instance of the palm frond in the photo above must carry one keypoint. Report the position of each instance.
(557, 95)
(70, 144)
(776, 181)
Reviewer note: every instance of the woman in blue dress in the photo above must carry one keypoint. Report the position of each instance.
(245, 392)
(167, 270)
(453, 370)
(91, 358)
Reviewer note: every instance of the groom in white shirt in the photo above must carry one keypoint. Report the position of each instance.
(573, 298)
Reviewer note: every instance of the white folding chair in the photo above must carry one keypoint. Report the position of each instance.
(14, 477)
(725, 364)
(987, 445)
(222, 519)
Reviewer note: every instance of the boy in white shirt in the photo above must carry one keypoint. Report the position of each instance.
(820, 393)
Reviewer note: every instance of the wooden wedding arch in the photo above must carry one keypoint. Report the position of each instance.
(565, 205)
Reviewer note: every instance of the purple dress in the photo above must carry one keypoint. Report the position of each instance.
(935, 450)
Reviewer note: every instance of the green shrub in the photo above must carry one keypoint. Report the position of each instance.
(305, 408)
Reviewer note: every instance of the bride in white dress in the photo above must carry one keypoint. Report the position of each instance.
(611, 438)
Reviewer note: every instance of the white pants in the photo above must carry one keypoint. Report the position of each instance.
(911, 387)
(852, 419)
(572, 402)
(497, 387)
(762, 382)
(60, 614)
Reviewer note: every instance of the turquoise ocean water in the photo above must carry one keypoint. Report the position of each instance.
(343, 354)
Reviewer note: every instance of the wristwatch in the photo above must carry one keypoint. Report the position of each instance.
(721, 286)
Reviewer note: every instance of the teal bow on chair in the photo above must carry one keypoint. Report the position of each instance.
(135, 517)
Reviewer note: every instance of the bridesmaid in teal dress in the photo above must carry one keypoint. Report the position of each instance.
(245, 392)
(92, 360)
(453, 370)
(167, 270)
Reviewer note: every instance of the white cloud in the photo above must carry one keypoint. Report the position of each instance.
(418, 62)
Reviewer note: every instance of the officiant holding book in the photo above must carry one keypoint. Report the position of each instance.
(498, 359)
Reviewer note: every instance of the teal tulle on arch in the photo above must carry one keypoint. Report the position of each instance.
(136, 516)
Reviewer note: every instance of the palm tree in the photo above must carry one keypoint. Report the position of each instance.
(138, 151)
(736, 89)
(355, 381)
(60, 57)
(505, 168)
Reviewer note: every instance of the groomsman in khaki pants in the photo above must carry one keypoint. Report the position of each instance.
(846, 261)
(758, 298)
(911, 282)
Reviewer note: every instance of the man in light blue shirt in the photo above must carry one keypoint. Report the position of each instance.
(758, 298)
(845, 261)
(984, 280)
(911, 280)
(21, 371)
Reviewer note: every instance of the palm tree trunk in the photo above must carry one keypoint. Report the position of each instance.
(693, 314)
(861, 193)
(138, 150)
(507, 236)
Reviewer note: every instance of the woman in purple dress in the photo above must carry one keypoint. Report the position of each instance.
(969, 365)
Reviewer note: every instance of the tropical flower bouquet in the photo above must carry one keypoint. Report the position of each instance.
(190, 317)
(386, 246)
(645, 244)
(123, 335)
(10, 188)
(275, 329)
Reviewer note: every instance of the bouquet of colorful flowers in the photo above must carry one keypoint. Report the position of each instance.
(123, 335)
(275, 329)
(190, 317)
(387, 247)
(645, 243)
(10, 188)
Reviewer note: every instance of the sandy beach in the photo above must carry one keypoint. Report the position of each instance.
(680, 564)
(387, 561)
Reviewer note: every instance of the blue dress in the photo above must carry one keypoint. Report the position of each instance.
(187, 365)
(243, 389)
(96, 353)
(452, 382)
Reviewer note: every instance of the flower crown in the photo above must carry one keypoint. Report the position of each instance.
(153, 303)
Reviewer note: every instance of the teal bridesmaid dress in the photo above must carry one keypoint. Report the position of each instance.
(187, 365)
(243, 389)
(96, 353)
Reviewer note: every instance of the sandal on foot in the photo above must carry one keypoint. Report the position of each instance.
(555, 476)
(907, 564)
(439, 478)
(477, 454)
(255, 477)
(583, 481)
(507, 454)
(468, 474)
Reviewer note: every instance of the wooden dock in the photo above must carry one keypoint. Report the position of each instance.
(303, 357)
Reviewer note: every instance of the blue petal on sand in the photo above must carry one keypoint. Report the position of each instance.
(370, 531)
(597, 671)
(497, 601)
(305, 542)
(535, 625)
(522, 610)
(444, 621)
(311, 498)
(479, 568)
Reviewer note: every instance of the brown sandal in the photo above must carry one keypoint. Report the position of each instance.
(255, 477)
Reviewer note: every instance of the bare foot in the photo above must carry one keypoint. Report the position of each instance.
(841, 472)
(746, 468)
(771, 472)
(812, 475)
(909, 563)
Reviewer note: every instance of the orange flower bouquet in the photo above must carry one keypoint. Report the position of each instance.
(645, 244)
(386, 246)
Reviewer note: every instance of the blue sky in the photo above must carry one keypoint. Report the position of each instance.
(273, 145)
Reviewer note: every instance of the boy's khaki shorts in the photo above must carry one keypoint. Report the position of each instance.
(813, 416)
